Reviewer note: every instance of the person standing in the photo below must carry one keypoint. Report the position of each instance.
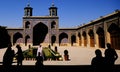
(19, 56)
(8, 58)
(97, 63)
(39, 66)
(110, 57)
(40, 50)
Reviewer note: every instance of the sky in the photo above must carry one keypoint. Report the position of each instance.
(72, 13)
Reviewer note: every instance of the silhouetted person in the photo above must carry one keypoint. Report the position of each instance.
(19, 56)
(8, 59)
(49, 46)
(97, 62)
(110, 58)
(66, 55)
(56, 50)
(39, 67)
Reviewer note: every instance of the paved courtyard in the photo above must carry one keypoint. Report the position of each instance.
(78, 56)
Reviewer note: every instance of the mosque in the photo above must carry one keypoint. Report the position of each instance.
(45, 30)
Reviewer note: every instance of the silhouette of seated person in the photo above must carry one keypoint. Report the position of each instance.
(97, 62)
(110, 57)
(39, 67)
(8, 58)
(66, 55)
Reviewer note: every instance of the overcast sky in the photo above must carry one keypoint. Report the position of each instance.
(71, 12)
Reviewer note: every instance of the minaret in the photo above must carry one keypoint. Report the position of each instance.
(28, 10)
(53, 10)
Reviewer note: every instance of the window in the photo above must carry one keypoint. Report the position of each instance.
(53, 24)
(27, 24)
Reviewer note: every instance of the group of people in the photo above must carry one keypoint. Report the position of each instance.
(10, 55)
(104, 63)
(98, 64)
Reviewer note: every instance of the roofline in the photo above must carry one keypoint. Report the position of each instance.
(40, 17)
(67, 28)
(14, 28)
(101, 17)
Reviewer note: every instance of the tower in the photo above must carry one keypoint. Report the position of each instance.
(28, 10)
(53, 10)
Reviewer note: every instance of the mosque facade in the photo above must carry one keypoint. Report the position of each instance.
(45, 30)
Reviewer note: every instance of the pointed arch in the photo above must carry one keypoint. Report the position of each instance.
(91, 34)
(26, 39)
(63, 38)
(27, 24)
(16, 36)
(53, 39)
(40, 31)
(73, 40)
(85, 38)
(53, 24)
(114, 31)
(79, 36)
(101, 37)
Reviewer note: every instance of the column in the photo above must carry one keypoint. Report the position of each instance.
(95, 37)
(106, 33)
(88, 38)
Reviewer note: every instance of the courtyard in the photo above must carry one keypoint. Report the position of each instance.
(77, 56)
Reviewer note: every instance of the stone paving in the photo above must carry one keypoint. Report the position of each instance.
(78, 56)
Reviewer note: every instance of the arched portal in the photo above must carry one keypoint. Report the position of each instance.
(85, 38)
(114, 31)
(53, 39)
(39, 33)
(16, 36)
(101, 37)
(80, 41)
(63, 38)
(73, 40)
(91, 34)
(26, 39)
